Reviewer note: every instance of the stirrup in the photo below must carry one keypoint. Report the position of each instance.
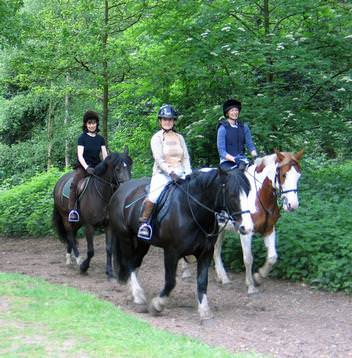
(145, 232)
(73, 216)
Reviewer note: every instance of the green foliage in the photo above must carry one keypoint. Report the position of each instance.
(314, 243)
(27, 208)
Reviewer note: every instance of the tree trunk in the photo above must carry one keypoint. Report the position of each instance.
(50, 133)
(105, 74)
(66, 121)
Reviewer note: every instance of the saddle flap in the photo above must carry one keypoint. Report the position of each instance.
(81, 187)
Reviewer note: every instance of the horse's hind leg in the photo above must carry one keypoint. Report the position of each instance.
(90, 248)
(158, 303)
(246, 243)
(203, 264)
(271, 258)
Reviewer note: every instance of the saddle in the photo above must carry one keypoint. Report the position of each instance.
(81, 187)
(161, 207)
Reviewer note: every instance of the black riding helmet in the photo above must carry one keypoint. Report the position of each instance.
(231, 103)
(167, 111)
(90, 115)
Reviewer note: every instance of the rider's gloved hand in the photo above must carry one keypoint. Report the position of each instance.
(174, 177)
(90, 170)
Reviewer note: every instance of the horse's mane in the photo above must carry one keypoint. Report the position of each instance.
(266, 160)
(116, 158)
(205, 177)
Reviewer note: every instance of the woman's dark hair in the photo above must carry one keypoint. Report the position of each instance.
(90, 115)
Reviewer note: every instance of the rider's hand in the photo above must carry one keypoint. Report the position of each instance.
(90, 170)
(174, 177)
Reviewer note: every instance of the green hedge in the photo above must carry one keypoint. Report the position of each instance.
(315, 242)
(26, 209)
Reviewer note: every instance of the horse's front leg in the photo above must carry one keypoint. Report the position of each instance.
(90, 248)
(108, 248)
(170, 263)
(246, 243)
(203, 263)
(271, 258)
(71, 243)
(219, 266)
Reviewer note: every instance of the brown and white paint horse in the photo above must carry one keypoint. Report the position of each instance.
(272, 177)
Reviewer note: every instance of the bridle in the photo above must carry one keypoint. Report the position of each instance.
(280, 191)
(230, 215)
(114, 184)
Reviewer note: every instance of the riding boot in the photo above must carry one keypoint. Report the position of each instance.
(73, 215)
(145, 230)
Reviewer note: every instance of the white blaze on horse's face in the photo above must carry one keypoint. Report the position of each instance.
(246, 225)
(290, 199)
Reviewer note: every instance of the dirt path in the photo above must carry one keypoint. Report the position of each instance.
(284, 320)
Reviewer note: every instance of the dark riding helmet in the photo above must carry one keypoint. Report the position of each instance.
(167, 111)
(90, 115)
(231, 103)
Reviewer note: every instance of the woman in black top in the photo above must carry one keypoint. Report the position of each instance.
(89, 147)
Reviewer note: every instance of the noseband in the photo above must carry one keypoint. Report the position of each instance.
(280, 192)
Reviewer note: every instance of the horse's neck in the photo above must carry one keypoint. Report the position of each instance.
(207, 192)
(102, 184)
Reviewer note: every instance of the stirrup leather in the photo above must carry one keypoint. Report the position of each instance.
(145, 232)
(73, 216)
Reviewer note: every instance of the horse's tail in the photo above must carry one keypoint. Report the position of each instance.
(59, 225)
(120, 267)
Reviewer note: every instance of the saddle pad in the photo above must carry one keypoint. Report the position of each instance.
(82, 185)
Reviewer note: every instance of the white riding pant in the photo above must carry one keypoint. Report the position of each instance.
(158, 183)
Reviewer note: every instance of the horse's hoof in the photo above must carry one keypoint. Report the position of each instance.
(207, 322)
(252, 291)
(258, 278)
(140, 308)
(227, 285)
(155, 307)
(206, 317)
(187, 279)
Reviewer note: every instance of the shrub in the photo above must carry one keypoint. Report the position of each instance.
(26, 209)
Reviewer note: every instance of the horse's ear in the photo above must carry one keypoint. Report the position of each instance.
(126, 150)
(299, 155)
(221, 171)
(279, 155)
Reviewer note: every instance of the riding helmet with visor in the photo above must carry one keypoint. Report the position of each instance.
(167, 111)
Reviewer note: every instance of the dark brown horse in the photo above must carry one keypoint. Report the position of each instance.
(109, 174)
(185, 225)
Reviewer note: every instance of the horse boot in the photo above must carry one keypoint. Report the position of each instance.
(145, 230)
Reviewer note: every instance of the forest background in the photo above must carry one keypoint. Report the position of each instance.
(288, 62)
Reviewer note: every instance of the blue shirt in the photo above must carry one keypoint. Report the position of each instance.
(221, 141)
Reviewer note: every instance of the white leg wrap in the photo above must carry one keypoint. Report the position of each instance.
(203, 309)
(219, 266)
(137, 290)
(68, 259)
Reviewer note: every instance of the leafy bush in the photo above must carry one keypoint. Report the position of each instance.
(27, 208)
(314, 243)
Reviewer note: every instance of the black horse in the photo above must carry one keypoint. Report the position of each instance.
(109, 174)
(185, 224)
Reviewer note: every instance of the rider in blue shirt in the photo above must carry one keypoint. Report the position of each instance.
(233, 137)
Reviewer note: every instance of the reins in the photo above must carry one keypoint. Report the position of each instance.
(214, 232)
